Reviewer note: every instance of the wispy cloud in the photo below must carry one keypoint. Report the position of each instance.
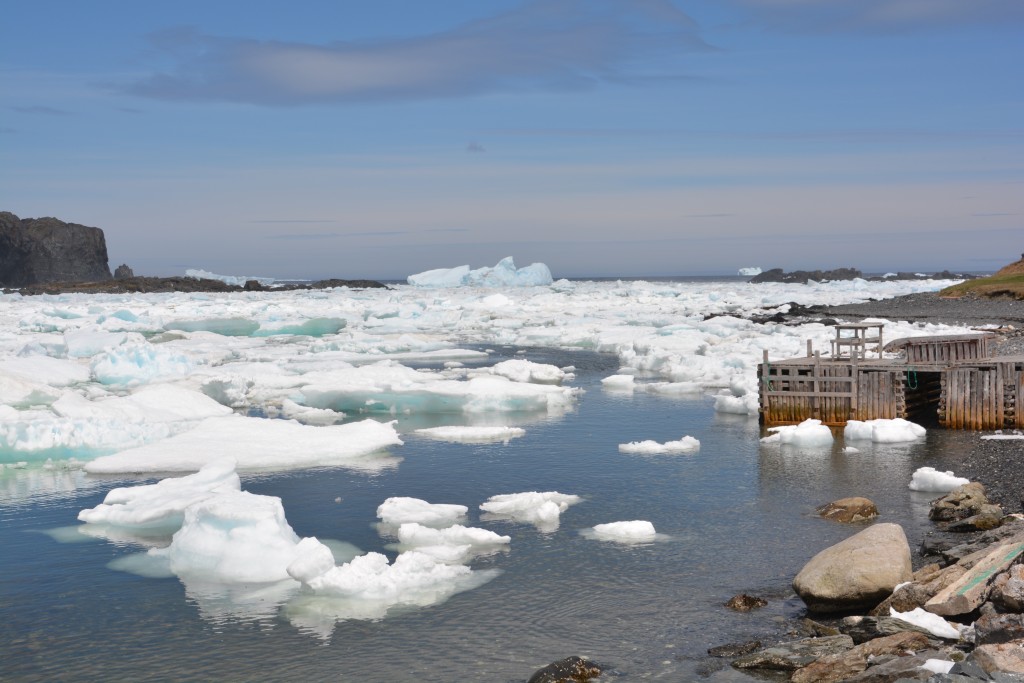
(475, 147)
(883, 15)
(293, 220)
(334, 235)
(43, 110)
(546, 44)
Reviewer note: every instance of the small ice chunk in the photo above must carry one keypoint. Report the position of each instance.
(618, 383)
(931, 480)
(414, 535)
(850, 450)
(400, 510)
(932, 623)
(625, 532)
(883, 431)
(233, 537)
(809, 433)
(472, 434)
(522, 370)
(540, 509)
(687, 444)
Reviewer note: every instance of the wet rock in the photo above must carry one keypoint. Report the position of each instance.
(745, 603)
(123, 271)
(989, 517)
(1011, 531)
(1008, 589)
(892, 668)
(568, 670)
(967, 593)
(960, 503)
(808, 627)
(842, 666)
(735, 649)
(794, 655)
(804, 276)
(920, 591)
(848, 510)
(999, 628)
(856, 573)
(864, 629)
(252, 286)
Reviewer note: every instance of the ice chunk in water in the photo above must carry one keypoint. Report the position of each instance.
(162, 505)
(687, 444)
(540, 509)
(883, 431)
(138, 362)
(472, 434)
(807, 434)
(413, 535)
(233, 537)
(400, 510)
(930, 479)
(521, 370)
(625, 532)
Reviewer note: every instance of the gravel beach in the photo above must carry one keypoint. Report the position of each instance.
(998, 464)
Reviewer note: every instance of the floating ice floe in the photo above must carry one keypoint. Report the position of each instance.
(522, 370)
(934, 481)
(387, 387)
(883, 431)
(161, 506)
(138, 362)
(458, 434)
(257, 443)
(233, 537)
(540, 509)
(687, 444)
(618, 383)
(454, 544)
(400, 510)
(504, 274)
(807, 434)
(932, 623)
(636, 531)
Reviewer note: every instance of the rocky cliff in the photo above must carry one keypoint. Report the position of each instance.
(38, 250)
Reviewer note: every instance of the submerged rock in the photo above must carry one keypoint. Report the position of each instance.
(847, 510)
(794, 655)
(568, 670)
(735, 649)
(745, 603)
(855, 573)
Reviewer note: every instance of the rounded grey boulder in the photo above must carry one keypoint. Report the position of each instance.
(859, 572)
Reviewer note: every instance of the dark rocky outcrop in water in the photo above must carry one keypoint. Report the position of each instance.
(123, 272)
(804, 276)
(38, 250)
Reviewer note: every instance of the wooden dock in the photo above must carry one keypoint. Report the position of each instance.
(951, 380)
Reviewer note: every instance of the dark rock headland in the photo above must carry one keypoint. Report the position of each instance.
(35, 250)
(805, 276)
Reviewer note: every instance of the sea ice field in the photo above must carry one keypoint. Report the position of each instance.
(465, 478)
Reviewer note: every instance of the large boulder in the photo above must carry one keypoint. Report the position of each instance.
(37, 250)
(856, 573)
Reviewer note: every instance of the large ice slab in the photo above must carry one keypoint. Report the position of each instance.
(388, 387)
(162, 505)
(257, 443)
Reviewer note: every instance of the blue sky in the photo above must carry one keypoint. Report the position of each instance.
(652, 137)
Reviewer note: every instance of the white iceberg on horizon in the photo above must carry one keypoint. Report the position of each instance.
(503, 274)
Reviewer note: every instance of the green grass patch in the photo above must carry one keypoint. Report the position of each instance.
(995, 286)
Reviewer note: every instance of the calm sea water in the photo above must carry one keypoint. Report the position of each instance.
(738, 516)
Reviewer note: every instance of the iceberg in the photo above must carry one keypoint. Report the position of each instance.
(504, 274)
(750, 272)
(235, 280)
